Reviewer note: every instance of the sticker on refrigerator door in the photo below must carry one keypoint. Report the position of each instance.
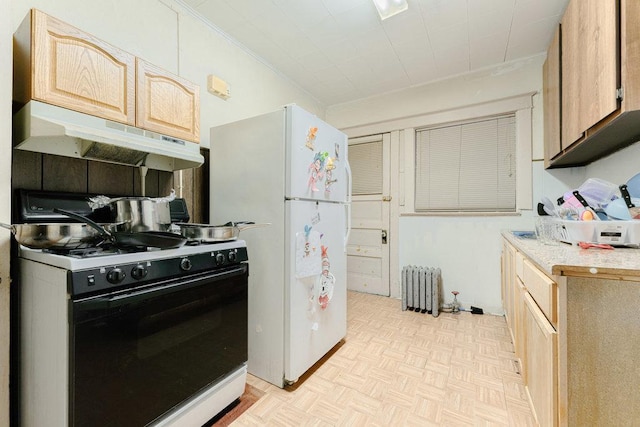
(329, 180)
(317, 169)
(336, 151)
(308, 255)
(326, 280)
(311, 136)
(316, 216)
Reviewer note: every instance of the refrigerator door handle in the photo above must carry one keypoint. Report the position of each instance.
(348, 206)
(349, 181)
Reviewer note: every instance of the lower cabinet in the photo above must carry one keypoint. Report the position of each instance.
(525, 289)
(541, 374)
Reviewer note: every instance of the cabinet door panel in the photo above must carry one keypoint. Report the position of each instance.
(571, 65)
(590, 65)
(551, 93)
(542, 364)
(75, 70)
(166, 103)
(601, 62)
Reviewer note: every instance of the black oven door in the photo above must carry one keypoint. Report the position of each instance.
(138, 354)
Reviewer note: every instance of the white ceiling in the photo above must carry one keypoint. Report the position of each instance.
(339, 50)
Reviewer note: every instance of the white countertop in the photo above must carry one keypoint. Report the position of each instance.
(570, 260)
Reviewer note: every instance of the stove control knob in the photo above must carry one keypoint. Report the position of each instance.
(233, 256)
(139, 272)
(220, 258)
(115, 276)
(185, 264)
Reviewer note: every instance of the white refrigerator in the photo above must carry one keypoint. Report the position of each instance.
(287, 168)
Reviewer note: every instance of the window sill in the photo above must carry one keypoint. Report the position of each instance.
(461, 214)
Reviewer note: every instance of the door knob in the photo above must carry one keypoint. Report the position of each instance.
(384, 237)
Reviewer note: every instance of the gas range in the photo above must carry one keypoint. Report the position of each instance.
(109, 271)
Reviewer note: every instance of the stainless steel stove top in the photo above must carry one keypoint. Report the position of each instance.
(107, 259)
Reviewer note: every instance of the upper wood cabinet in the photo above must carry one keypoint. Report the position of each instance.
(56, 63)
(589, 65)
(599, 107)
(551, 99)
(59, 64)
(166, 103)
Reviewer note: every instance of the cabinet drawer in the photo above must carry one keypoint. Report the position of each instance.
(542, 290)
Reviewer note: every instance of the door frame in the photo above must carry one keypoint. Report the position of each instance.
(389, 196)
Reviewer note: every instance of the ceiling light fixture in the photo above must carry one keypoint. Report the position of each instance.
(388, 8)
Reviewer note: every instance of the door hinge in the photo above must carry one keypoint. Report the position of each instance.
(384, 237)
(620, 93)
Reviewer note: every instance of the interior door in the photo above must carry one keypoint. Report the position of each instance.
(368, 248)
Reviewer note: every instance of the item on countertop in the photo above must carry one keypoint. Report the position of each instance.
(597, 192)
(524, 234)
(617, 209)
(549, 230)
(632, 204)
(634, 185)
(586, 245)
(578, 207)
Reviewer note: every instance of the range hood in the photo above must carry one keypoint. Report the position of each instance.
(46, 128)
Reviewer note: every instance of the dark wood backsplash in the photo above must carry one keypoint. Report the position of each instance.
(36, 171)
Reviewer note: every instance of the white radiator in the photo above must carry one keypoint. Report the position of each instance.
(421, 289)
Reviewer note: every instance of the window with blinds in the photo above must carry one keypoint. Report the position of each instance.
(467, 167)
(365, 160)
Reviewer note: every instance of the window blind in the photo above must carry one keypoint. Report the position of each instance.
(365, 160)
(467, 167)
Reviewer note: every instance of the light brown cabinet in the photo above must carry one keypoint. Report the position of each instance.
(541, 374)
(166, 103)
(530, 300)
(551, 99)
(599, 104)
(59, 64)
(56, 63)
(589, 66)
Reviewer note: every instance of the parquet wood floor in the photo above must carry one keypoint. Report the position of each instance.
(400, 368)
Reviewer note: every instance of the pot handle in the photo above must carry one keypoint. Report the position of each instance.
(10, 227)
(91, 223)
(238, 223)
(241, 226)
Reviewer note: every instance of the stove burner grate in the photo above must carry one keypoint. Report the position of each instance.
(95, 251)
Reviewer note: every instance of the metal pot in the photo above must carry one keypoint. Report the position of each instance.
(56, 235)
(215, 233)
(141, 214)
(156, 239)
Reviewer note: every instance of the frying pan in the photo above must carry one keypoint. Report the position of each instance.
(55, 235)
(215, 233)
(155, 239)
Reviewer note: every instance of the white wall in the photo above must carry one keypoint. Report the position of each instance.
(167, 34)
(467, 249)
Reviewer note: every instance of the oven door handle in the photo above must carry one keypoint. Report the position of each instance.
(128, 298)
